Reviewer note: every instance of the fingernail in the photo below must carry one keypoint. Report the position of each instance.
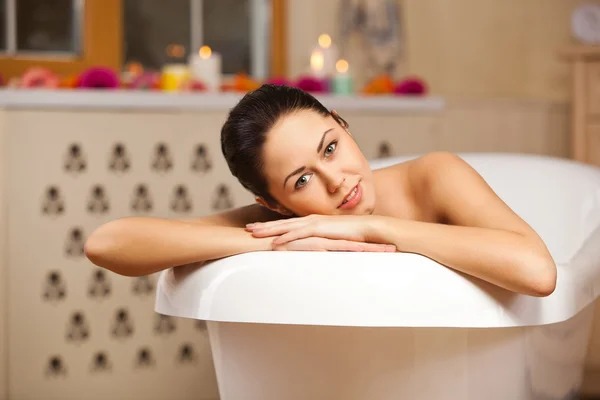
(250, 225)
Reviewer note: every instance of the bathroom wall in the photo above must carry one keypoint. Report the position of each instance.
(3, 264)
(464, 48)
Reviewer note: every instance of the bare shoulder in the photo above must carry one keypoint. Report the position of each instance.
(417, 174)
(428, 165)
(239, 217)
(460, 195)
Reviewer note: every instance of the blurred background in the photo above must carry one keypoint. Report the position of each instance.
(113, 108)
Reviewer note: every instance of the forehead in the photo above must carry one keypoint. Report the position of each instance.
(292, 139)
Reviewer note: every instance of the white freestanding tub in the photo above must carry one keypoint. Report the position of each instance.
(381, 326)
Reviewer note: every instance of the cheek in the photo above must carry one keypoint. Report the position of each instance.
(314, 200)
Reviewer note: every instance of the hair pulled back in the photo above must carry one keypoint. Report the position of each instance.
(244, 133)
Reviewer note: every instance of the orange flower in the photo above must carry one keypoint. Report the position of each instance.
(382, 84)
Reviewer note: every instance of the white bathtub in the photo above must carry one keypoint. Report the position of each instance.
(379, 326)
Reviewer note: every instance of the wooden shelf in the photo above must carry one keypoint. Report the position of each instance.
(142, 100)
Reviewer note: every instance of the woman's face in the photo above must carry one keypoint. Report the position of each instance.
(313, 166)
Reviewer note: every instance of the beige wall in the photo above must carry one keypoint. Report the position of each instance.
(3, 265)
(465, 48)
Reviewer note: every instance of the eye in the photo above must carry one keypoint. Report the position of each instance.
(331, 148)
(302, 181)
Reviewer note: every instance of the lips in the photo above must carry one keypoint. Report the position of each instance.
(352, 198)
(350, 195)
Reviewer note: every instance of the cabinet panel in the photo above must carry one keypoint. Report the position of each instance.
(593, 88)
(593, 149)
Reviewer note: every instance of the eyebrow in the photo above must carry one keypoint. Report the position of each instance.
(319, 147)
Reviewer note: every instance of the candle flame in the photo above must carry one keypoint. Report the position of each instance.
(341, 66)
(205, 52)
(325, 41)
(317, 60)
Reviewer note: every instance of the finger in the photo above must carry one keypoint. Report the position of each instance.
(320, 244)
(280, 227)
(308, 244)
(378, 248)
(277, 230)
(340, 245)
(270, 224)
(295, 234)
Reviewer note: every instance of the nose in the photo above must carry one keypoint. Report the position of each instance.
(334, 183)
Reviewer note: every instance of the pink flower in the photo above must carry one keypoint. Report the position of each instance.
(311, 84)
(410, 86)
(98, 78)
(38, 77)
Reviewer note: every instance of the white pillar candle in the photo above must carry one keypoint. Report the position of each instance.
(206, 67)
(330, 54)
(317, 61)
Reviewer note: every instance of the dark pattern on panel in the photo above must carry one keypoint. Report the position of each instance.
(75, 242)
(100, 363)
(99, 286)
(384, 150)
(222, 199)
(119, 160)
(186, 354)
(181, 201)
(144, 358)
(164, 325)
(55, 288)
(141, 201)
(162, 160)
(122, 326)
(75, 161)
(53, 202)
(56, 367)
(142, 286)
(77, 328)
(201, 162)
(98, 200)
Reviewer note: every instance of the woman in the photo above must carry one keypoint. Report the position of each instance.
(315, 192)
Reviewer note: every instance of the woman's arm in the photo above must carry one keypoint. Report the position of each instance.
(137, 246)
(142, 246)
(483, 237)
(507, 259)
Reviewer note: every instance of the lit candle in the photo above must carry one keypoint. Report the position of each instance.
(173, 76)
(317, 60)
(329, 51)
(342, 81)
(206, 68)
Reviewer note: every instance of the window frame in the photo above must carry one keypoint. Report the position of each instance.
(104, 47)
(105, 44)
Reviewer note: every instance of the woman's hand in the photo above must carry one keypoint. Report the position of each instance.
(336, 227)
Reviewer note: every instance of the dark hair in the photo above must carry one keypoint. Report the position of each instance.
(244, 133)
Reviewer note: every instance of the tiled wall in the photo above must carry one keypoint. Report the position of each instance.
(78, 332)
